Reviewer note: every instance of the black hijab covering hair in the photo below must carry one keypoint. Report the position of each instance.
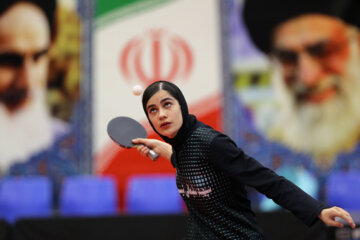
(189, 121)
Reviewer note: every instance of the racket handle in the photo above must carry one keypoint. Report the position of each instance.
(153, 155)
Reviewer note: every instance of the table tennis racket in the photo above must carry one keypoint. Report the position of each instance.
(123, 130)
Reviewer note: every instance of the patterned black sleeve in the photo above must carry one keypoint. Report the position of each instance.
(245, 170)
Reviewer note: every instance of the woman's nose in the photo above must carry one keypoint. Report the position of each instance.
(162, 113)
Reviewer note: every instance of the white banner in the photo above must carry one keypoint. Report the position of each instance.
(178, 41)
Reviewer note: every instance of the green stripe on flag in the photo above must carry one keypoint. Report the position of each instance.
(110, 10)
(104, 6)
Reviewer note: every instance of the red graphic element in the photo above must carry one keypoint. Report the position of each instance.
(156, 56)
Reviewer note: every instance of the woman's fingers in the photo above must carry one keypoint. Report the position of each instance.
(144, 145)
(330, 216)
(341, 213)
(143, 150)
(161, 148)
(334, 223)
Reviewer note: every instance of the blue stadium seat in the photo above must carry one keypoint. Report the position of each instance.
(343, 190)
(153, 194)
(22, 197)
(88, 195)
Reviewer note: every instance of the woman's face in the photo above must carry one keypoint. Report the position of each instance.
(164, 112)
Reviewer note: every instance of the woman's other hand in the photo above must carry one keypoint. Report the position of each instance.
(329, 215)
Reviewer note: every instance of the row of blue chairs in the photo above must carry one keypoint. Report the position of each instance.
(92, 195)
(89, 195)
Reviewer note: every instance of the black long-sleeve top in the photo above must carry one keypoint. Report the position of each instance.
(211, 175)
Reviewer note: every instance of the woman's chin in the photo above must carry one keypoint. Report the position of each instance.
(168, 134)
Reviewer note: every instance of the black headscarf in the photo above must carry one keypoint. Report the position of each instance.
(189, 121)
(262, 16)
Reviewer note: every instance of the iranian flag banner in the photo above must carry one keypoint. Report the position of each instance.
(139, 42)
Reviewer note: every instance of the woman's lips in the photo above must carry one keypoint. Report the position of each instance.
(165, 125)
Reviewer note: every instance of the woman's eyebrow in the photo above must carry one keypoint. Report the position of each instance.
(165, 99)
(150, 106)
(161, 101)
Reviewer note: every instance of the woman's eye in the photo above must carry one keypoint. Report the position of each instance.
(167, 104)
(152, 110)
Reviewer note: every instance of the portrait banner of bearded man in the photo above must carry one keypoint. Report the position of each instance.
(313, 47)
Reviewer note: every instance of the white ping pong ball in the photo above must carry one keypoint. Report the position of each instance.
(137, 90)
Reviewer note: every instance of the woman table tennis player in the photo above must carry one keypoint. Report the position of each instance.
(212, 172)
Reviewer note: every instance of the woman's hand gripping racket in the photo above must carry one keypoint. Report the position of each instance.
(123, 130)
